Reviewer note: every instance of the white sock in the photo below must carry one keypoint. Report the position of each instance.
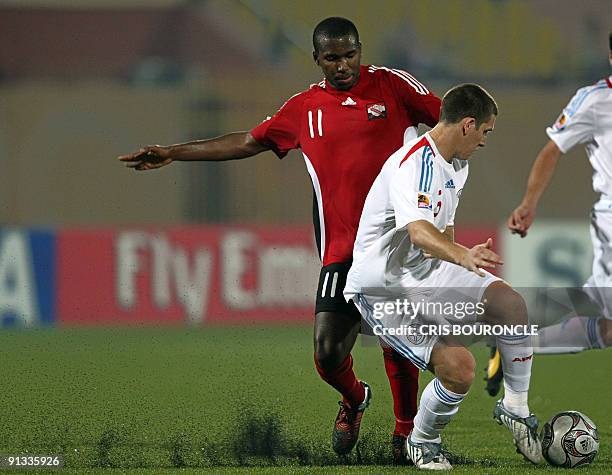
(571, 336)
(516, 357)
(515, 402)
(436, 408)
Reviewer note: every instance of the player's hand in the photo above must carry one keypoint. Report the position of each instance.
(521, 219)
(479, 256)
(147, 158)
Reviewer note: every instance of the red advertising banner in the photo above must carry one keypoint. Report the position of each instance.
(192, 275)
(183, 275)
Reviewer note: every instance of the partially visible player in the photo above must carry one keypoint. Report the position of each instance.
(346, 126)
(408, 215)
(587, 119)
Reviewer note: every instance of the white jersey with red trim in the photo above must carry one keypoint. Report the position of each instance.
(415, 183)
(587, 119)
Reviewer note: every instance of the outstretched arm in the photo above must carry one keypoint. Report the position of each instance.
(227, 147)
(425, 235)
(541, 173)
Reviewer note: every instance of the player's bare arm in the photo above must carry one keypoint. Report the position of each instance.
(231, 146)
(541, 173)
(426, 236)
(449, 232)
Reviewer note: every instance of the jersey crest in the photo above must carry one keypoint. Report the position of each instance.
(377, 110)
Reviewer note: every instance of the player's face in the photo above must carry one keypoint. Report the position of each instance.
(475, 137)
(339, 59)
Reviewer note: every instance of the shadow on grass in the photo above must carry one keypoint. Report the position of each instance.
(259, 439)
(263, 440)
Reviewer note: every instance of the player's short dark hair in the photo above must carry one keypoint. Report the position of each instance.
(467, 100)
(333, 27)
(610, 38)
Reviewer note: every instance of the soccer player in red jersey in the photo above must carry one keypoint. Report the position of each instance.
(346, 127)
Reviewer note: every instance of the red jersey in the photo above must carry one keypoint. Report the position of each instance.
(346, 137)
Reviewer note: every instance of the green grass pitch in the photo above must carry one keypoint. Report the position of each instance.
(244, 400)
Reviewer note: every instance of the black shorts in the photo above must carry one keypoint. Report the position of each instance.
(330, 291)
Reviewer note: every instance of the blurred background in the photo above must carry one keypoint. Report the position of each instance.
(84, 81)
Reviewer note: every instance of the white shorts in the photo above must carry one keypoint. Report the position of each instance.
(446, 287)
(599, 286)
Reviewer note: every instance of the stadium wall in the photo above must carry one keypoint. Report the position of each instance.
(213, 275)
(61, 141)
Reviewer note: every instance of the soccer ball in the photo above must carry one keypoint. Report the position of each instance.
(570, 439)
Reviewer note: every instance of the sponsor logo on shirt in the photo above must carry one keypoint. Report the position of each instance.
(377, 111)
(424, 201)
(349, 102)
(450, 184)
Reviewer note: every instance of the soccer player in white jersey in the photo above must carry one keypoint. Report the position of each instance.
(405, 248)
(587, 120)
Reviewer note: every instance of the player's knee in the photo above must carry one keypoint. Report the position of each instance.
(504, 305)
(334, 336)
(457, 369)
(329, 353)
